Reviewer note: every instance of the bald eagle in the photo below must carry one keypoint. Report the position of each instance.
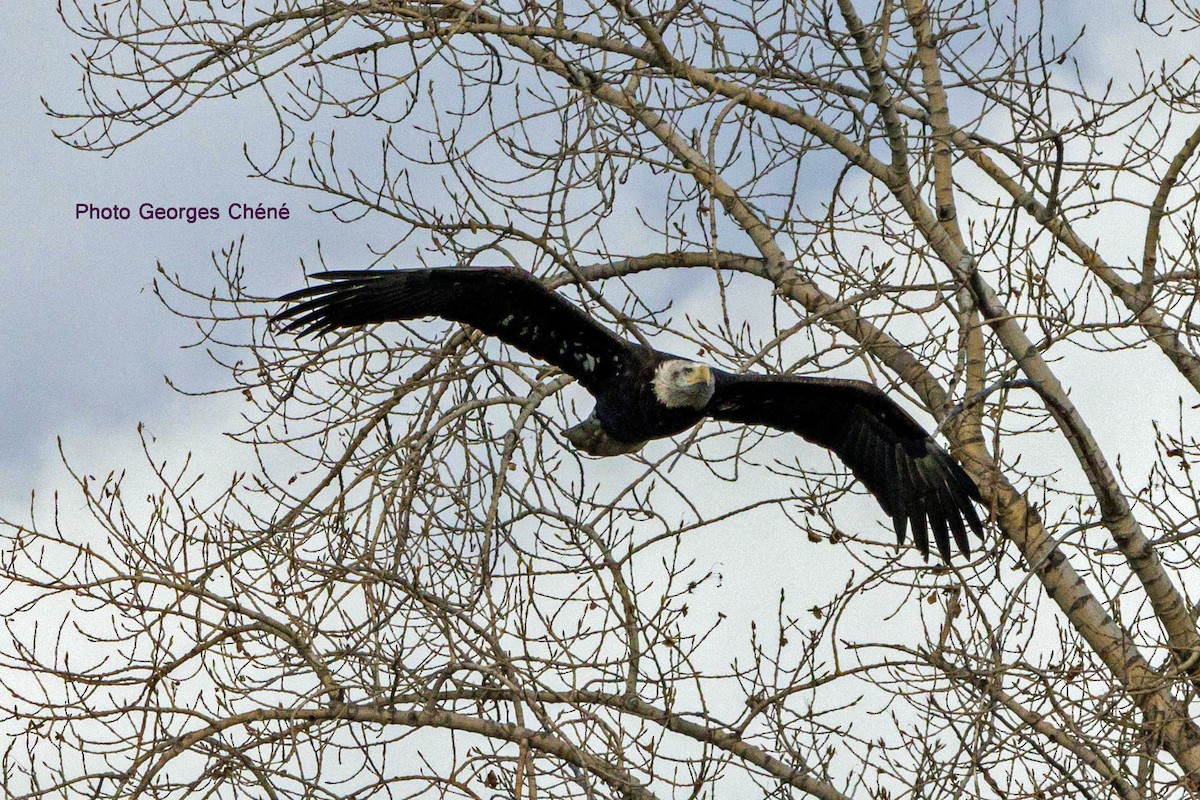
(643, 394)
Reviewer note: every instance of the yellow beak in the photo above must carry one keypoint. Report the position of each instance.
(701, 374)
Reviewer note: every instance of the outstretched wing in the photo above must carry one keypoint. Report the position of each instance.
(913, 479)
(500, 301)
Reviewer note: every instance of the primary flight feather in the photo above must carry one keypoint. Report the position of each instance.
(643, 394)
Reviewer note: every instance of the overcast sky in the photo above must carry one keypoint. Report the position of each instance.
(85, 344)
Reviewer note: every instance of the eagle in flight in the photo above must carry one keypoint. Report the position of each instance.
(643, 394)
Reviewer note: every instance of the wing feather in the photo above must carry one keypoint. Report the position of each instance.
(944, 505)
(895, 507)
(916, 483)
(505, 302)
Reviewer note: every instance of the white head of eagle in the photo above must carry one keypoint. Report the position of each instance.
(678, 383)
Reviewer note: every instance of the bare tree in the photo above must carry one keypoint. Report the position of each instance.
(422, 591)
